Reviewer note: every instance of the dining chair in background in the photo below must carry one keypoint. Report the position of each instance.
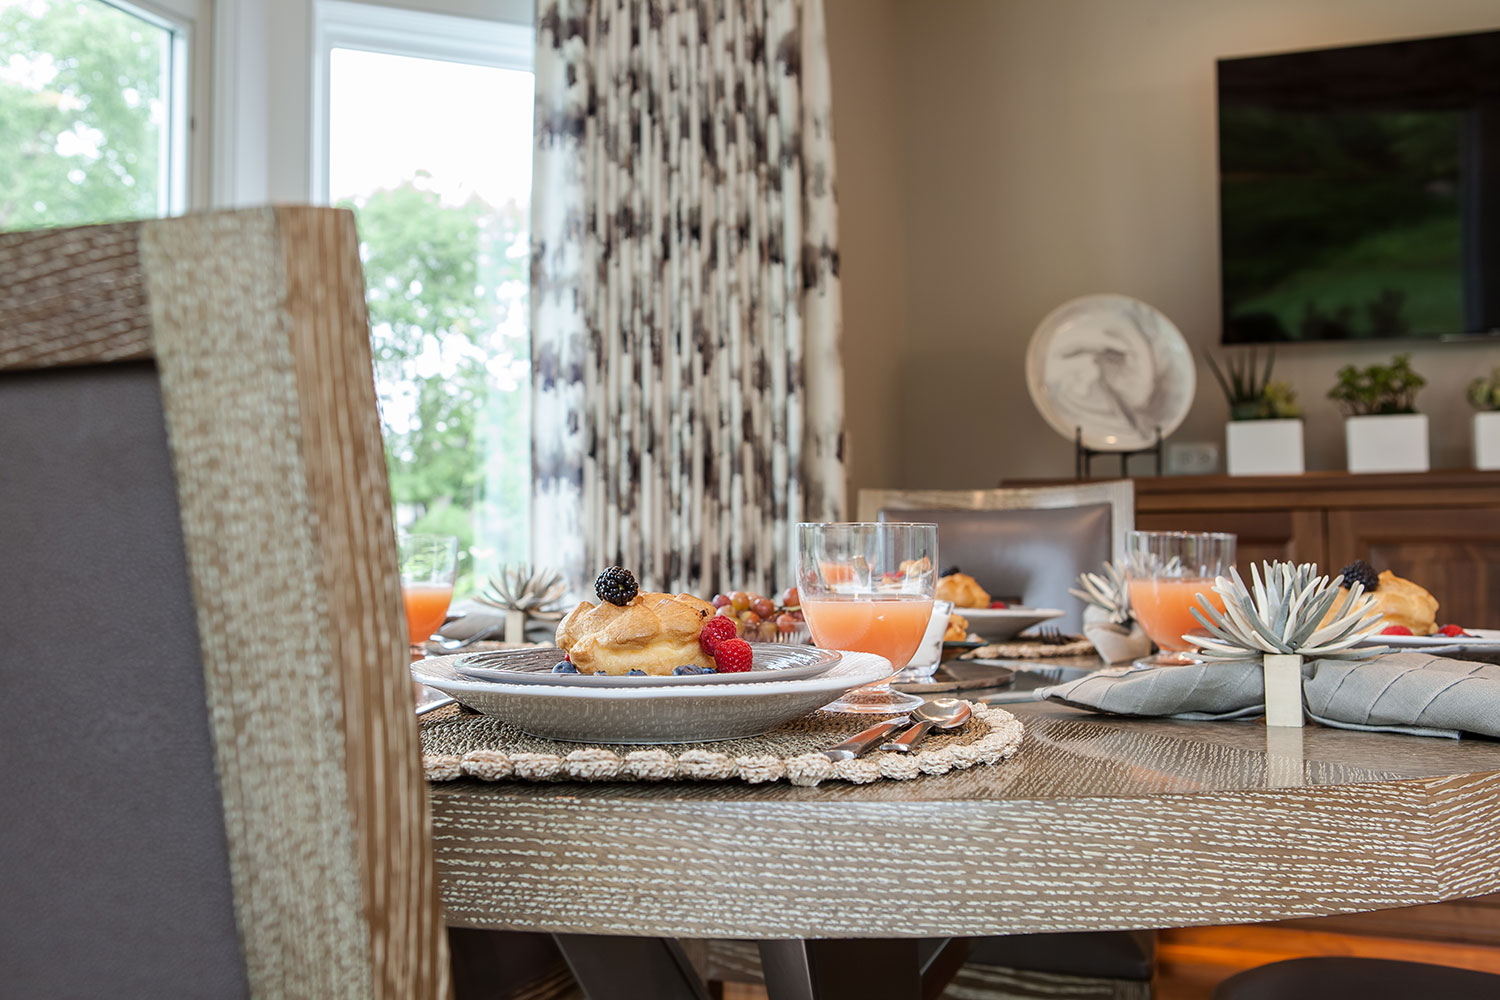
(1366, 978)
(212, 780)
(1026, 542)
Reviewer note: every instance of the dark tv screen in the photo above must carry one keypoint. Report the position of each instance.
(1359, 192)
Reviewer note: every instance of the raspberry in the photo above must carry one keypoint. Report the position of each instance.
(733, 656)
(1395, 630)
(715, 631)
(1452, 630)
(617, 586)
(998, 605)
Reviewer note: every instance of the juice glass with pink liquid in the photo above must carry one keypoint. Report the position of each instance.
(428, 565)
(1169, 571)
(868, 587)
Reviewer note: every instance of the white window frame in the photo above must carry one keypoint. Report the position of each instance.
(506, 40)
(184, 182)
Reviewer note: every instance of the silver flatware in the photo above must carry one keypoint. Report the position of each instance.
(450, 645)
(862, 741)
(939, 713)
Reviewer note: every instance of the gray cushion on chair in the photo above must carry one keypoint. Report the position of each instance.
(116, 873)
(1035, 554)
(1364, 978)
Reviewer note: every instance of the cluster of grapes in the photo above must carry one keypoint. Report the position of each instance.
(760, 615)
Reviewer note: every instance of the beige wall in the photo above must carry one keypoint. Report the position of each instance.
(1049, 149)
(863, 36)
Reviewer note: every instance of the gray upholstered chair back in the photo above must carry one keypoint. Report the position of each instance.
(211, 776)
(1026, 544)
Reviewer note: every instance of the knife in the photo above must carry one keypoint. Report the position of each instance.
(860, 742)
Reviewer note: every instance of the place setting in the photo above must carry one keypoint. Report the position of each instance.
(635, 669)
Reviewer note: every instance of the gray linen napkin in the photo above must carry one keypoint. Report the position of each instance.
(1413, 693)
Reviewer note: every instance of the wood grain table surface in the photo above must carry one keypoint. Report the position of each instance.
(1098, 823)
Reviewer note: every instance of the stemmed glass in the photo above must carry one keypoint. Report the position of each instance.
(428, 565)
(868, 588)
(1168, 570)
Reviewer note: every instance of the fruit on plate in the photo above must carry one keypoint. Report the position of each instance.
(763, 619)
(1395, 630)
(716, 630)
(733, 656)
(1452, 631)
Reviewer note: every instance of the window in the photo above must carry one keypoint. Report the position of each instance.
(427, 136)
(94, 101)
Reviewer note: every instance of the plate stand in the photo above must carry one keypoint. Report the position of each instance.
(1083, 457)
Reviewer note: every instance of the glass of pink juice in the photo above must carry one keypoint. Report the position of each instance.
(1169, 571)
(428, 566)
(868, 588)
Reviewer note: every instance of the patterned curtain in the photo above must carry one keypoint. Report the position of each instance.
(687, 398)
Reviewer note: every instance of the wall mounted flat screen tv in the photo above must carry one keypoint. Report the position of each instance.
(1359, 192)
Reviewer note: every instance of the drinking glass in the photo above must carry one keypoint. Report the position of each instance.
(868, 587)
(428, 564)
(1167, 571)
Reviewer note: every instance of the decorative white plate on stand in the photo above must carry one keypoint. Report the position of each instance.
(653, 714)
(1113, 368)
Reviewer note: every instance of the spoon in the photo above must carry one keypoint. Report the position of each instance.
(940, 713)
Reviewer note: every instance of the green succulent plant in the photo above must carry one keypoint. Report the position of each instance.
(1249, 390)
(1379, 389)
(1484, 391)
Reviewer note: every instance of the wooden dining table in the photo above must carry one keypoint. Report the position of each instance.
(1098, 823)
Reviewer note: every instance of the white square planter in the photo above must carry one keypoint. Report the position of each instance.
(1487, 440)
(1395, 442)
(1264, 447)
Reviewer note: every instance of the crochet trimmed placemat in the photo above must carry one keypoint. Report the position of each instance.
(1031, 649)
(457, 743)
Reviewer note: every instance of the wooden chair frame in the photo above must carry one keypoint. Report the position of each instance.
(255, 321)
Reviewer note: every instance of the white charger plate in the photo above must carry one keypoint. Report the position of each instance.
(1111, 368)
(772, 662)
(1003, 624)
(652, 715)
(1479, 637)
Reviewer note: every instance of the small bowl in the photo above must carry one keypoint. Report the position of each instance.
(767, 632)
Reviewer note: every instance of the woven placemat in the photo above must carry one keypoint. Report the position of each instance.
(1030, 650)
(457, 743)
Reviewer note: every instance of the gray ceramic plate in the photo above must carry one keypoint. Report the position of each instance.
(534, 666)
(681, 714)
(1004, 624)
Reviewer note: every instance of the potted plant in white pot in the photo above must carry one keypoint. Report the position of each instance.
(1264, 433)
(1484, 393)
(1383, 431)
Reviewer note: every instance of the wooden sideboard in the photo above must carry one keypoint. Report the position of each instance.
(1440, 529)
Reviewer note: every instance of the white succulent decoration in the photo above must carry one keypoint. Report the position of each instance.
(1283, 612)
(1109, 593)
(519, 588)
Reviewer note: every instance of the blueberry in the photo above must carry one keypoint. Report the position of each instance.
(635, 673)
(565, 667)
(688, 669)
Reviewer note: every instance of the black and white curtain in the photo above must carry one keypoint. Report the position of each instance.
(687, 389)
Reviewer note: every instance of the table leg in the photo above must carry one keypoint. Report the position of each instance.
(849, 968)
(628, 968)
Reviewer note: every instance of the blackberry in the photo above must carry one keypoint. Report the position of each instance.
(1360, 571)
(950, 571)
(616, 586)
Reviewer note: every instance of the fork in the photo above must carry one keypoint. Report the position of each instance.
(1050, 635)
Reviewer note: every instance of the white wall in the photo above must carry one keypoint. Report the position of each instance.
(1052, 148)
